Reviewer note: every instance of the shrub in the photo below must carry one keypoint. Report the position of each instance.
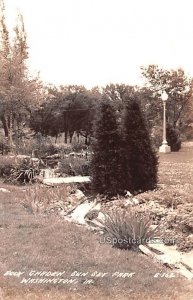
(23, 173)
(140, 157)
(107, 176)
(157, 137)
(39, 198)
(4, 147)
(173, 138)
(128, 230)
(7, 163)
(74, 166)
(78, 147)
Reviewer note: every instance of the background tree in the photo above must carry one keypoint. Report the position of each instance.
(178, 87)
(106, 165)
(117, 93)
(68, 110)
(19, 92)
(140, 158)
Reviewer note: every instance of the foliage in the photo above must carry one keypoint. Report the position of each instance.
(43, 146)
(117, 94)
(39, 198)
(107, 176)
(74, 166)
(173, 138)
(24, 173)
(127, 230)
(157, 136)
(178, 87)
(139, 157)
(7, 163)
(187, 132)
(19, 92)
(39, 146)
(68, 109)
(4, 146)
(79, 146)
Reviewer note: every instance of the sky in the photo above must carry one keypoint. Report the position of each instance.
(97, 42)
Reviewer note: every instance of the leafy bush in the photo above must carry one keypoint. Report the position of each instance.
(188, 132)
(78, 147)
(38, 146)
(7, 163)
(128, 230)
(173, 138)
(24, 172)
(74, 166)
(4, 147)
(39, 198)
(44, 146)
(156, 137)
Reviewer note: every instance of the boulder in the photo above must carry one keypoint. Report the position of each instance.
(79, 194)
(79, 213)
(4, 190)
(47, 174)
(62, 180)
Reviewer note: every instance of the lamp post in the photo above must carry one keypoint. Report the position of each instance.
(164, 148)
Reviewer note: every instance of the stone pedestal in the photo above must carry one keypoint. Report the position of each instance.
(164, 149)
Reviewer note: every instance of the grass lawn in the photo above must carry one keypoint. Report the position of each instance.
(42, 243)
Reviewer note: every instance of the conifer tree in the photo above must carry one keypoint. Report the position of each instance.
(140, 157)
(107, 176)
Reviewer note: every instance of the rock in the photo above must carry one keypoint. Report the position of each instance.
(53, 156)
(131, 201)
(20, 156)
(61, 180)
(187, 259)
(153, 227)
(4, 190)
(79, 194)
(95, 220)
(47, 173)
(190, 238)
(128, 202)
(72, 154)
(79, 213)
(92, 214)
(171, 255)
(186, 273)
(171, 258)
(128, 194)
(135, 201)
(101, 217)
(147, 251)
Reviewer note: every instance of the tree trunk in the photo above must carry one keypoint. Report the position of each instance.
(10, 132)
(5, 125)
(71, 136)
(19, 128)
(56, 138)
(66, 137)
